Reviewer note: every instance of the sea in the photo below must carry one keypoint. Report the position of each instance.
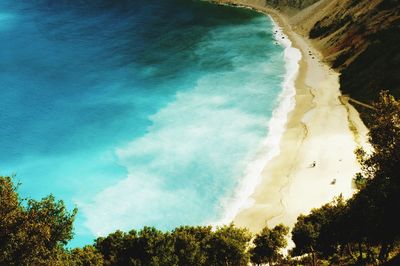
(140, 113)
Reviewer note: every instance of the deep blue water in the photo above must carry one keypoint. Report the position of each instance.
(137, 112)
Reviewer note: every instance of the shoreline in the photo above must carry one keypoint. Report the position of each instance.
(319, 131)
(276, 128)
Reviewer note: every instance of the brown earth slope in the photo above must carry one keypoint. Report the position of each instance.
(361, 38)
(296, 4)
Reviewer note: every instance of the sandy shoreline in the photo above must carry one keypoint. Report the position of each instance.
(317, 130)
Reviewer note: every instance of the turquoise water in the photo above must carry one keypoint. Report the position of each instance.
(137, 112)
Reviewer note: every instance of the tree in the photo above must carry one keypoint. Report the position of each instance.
(186, 245)
(370, 218)
(320, 231)
(228, 246)
(149, 246)
(31, 232)
(189, 244)
(377, 204)
(304, 235)
(155, 247)
(86, 256)
(112, 248)
(268, 244)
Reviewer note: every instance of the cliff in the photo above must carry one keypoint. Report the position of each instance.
(361, 40)
(298, 4)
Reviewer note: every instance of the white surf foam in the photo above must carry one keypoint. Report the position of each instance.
(276, 127)
(205, 132)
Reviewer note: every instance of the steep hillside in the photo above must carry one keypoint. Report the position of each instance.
(361, 40)
(299, 4)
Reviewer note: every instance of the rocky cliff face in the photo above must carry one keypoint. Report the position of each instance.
(361, 38)
(299, 4)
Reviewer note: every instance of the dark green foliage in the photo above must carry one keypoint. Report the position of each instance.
(320, 231)
(368, 223)
(155, 248)
(146, 247)
(190, 244)
(36, 232)
(86, 256)
(267, 245)
(377, 205)
(31, 232)
(114, 247)
(304, 235)
(359, 181)
(184, 246)
(227, 246)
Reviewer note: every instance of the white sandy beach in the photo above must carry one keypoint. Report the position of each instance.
(320, 129)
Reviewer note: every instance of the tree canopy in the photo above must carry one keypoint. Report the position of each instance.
(31, 232)
(369, 221)
(268, 244)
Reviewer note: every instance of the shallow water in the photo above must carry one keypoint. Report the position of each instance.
(137, 112)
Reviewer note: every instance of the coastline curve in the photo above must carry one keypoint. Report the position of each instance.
(276, 128)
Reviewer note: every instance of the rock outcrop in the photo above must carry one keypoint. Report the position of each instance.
(362, 40)
(359, 38)
(299, 4)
